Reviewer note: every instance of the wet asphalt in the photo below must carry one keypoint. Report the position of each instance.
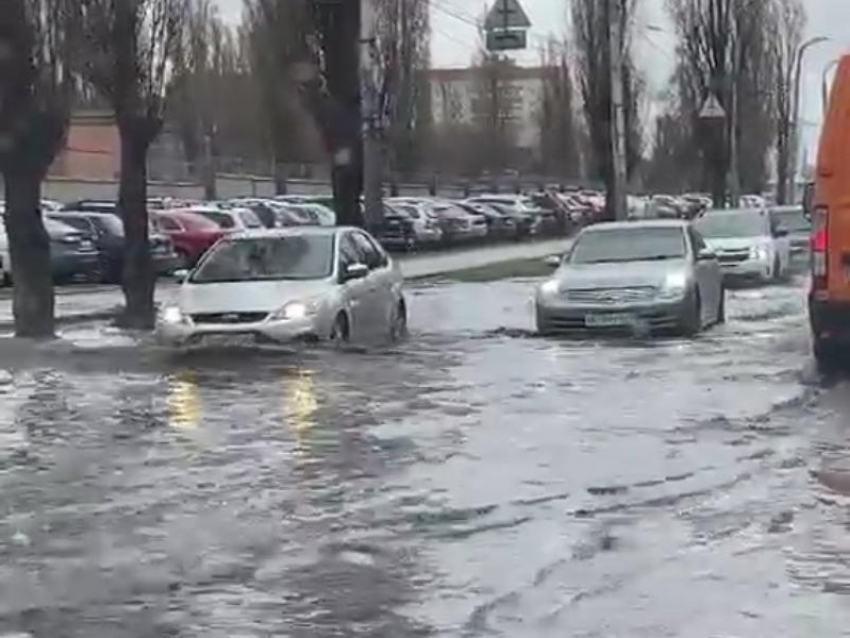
(474, 481)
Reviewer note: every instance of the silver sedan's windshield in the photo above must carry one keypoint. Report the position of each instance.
(299, 257)
(629, 244)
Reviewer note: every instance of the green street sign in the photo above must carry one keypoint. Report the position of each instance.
(506, 40)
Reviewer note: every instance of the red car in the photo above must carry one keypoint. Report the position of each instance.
(191, 234)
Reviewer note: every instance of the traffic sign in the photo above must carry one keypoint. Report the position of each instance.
(506, 40)
(712, 109)
(507, 14)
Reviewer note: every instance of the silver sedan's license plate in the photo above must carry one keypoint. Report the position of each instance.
(610, 320)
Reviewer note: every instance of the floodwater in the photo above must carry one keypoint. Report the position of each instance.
(473, 481)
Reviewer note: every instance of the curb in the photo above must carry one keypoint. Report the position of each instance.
(70, 319)
(7, 326)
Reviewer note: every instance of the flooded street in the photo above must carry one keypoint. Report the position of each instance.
(473, 481)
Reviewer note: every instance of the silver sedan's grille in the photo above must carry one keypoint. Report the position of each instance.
(733, 256)
(612, 296)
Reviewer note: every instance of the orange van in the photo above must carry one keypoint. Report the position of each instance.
(829, 205)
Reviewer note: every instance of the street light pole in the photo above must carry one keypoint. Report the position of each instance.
(795, 124)
(618, 198)
(373, 178)
(825, 83)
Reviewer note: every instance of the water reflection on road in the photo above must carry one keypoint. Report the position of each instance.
(474, 481)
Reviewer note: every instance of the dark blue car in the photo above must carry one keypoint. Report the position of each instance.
(106, 230)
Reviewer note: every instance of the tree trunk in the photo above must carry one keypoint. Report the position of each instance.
(347, 181)
(782, 168)
(29, 249)
(281, 186)
(139, 278)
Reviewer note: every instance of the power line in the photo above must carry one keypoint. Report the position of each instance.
(656, 46)
(456, 39)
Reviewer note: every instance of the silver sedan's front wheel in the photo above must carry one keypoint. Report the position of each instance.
(691, 321)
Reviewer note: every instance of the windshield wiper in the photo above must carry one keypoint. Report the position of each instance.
(622, 260)
(659, 257)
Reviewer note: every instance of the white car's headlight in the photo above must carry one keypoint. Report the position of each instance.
(551, 287)
(759, 253)
(295, 310)
(172, 315)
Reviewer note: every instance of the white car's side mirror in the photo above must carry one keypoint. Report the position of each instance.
(180, 275)
(355, 271)
(553, 261)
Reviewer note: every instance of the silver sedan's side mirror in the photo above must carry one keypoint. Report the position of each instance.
(180, 275)
(553, 261)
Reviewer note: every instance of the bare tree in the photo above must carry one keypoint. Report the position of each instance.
(130, 47)
(725, 50)
(280, 38)
(404, 35)
(559, 147)
(495, 100)
(36, 88)
(592, 39)
(206, 72)
(789, 23)
(333, 95)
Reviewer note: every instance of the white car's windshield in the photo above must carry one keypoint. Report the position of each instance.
(268, 258)
(628, 244)
(793, 221)
(729, 225)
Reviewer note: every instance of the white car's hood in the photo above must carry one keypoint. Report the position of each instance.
(247, 296)
(737, 243)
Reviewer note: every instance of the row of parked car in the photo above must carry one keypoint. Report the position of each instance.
(87, 236)
(415, 222)
(686, 206)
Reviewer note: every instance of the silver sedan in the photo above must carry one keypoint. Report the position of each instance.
(634, 276)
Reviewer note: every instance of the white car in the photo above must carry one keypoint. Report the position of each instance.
(231, 219)
(304, 283)
(748, 244)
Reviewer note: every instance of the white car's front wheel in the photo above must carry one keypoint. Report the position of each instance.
(341, 330)
(398, 323)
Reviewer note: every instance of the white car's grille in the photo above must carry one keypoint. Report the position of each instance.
(229, 317)
(612, 296)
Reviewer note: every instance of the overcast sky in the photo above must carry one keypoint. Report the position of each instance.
(455, 38)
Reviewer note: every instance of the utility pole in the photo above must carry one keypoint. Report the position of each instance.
(373, 120)
(734, 185)
(795, 122)
(617, 197)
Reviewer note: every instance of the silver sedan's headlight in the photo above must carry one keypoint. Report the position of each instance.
(675, 285)
(295, 310)
(550, 288)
